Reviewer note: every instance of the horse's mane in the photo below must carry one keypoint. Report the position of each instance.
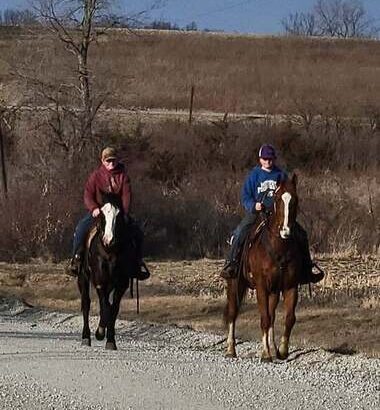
(113, 199)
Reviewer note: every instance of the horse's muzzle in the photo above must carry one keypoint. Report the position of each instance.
(108, 241)
(285, 233)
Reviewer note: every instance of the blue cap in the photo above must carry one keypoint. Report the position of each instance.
(267, 151)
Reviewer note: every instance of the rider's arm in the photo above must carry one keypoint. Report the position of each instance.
(126, 193)
(248, 194)
(90, 193)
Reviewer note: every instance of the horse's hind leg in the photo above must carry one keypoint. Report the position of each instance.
(235, 292)
(290, 303)
(84, 289)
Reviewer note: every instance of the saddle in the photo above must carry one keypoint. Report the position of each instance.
(90, 236)
(251, 238)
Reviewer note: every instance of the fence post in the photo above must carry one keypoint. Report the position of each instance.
(191, 104)
(2, 164)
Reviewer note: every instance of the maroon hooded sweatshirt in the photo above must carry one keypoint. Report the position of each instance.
(115, 181)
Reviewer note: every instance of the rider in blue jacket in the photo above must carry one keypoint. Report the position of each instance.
(257, 196)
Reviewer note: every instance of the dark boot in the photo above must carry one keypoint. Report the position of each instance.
(230, 270)
(142, 272)
(316, 277)
(307, 264)
(73, 267)
(308, 276)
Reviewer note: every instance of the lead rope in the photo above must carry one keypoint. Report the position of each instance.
(137, 294)
(137, 297)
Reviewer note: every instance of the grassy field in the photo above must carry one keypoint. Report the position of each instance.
(230, 73)
(342, 315)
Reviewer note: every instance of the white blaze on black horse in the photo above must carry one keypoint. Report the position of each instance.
(110, 213)
(272, 264)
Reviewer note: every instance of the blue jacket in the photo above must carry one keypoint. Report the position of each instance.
(259, 186)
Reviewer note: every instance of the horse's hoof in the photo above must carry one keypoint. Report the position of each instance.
(283, 352)
(282, 356)
(99, 335)
(111, 346)
(266, 360)
(230, 355)
(86, 342)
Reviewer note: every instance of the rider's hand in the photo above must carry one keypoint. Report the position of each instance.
(259, 206)
(95, 212)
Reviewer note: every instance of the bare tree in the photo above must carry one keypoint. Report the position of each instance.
(7, 122)
(300, 24)
(333, 18)
(74, 24)
(71, 101)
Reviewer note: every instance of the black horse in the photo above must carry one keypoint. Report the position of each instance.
(109, 263)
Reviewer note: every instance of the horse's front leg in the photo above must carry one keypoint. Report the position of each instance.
(290, 303)
(273, 302)
(117, 294)
(236, 289)
(105, 313)
(84, 289)
(263, 304)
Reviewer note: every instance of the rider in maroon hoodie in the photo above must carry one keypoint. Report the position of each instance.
(111, 176)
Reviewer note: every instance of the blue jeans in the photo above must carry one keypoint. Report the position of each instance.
(81, 231)
(240, 233)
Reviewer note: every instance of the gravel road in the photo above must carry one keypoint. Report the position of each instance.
(43, 366)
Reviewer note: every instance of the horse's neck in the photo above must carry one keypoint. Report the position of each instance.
(273, 234)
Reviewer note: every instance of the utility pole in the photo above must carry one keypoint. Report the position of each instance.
(2, 164)
(191, 104)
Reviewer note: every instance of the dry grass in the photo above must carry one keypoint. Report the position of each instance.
(231, 73)
(343, 314)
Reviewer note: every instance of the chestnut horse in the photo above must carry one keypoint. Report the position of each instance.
(109, 261)
(272, 264)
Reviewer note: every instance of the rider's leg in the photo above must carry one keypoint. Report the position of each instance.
(307, 263)
(231, 266)
(142, 271)
(78, 244)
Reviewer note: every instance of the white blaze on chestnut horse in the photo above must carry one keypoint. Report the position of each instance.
(273, 266)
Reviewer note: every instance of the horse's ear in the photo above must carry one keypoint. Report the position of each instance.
(295, 179)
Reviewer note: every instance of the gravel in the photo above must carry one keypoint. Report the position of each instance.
(44, 366)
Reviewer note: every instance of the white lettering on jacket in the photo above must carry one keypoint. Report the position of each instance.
(269, 185)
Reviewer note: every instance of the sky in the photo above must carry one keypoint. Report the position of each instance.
(244, 16)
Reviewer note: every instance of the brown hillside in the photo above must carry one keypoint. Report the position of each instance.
(231, 73)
